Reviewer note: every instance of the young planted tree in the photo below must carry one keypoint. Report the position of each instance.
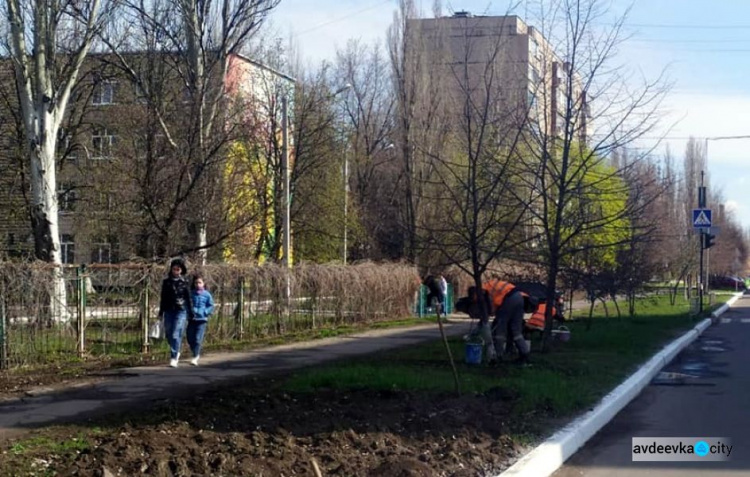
(49, 41)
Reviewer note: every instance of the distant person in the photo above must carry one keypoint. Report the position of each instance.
(438, 290)
(203, 306)
(175, 306)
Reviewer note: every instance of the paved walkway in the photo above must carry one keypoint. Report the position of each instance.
(130, 387)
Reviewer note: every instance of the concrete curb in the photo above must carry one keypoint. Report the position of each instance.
(546, 458)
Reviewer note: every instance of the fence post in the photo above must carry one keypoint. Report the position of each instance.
(3, 327)
(81, 308)
(145, 310)
(241, 309)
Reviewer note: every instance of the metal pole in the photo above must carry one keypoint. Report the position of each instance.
(241, 309)
(3, 327)
(145, 309)
(285, 170)
(700, 275)
(346, 202)
(705, 204)
(80, 271)
(286, 197)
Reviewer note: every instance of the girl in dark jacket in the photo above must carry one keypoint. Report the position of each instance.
(175, 306)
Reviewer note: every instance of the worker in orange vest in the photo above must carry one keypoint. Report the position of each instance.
(506, 303)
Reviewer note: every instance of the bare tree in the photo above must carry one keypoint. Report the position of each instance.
(589, 108)
(48, 44)
(368, 125)
(198, 40)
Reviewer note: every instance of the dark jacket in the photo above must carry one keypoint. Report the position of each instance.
(175, 296)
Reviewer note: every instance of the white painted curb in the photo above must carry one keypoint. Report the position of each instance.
(552, 453)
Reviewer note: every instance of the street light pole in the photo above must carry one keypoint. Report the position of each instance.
(285, 200)
(346, 201)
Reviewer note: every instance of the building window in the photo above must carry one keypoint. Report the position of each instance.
(65, 147)
(104, 250)
(534, 77)
(102, 141)
(68, 248)
(66, 197)
(104, 93)
(139, 94)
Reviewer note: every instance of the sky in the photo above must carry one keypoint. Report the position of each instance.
(704, 52)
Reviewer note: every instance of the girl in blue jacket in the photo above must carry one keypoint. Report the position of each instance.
(203, 306)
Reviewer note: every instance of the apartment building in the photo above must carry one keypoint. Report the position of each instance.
(507, 62)
(121, 158)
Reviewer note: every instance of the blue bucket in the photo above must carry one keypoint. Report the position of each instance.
(474, 353)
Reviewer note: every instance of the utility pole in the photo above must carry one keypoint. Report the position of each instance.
(701, 278)
(286, 221)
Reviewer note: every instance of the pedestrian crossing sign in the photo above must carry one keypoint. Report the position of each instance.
(701, 218)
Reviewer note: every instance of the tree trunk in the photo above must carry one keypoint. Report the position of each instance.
(44, 216)
(617, 307)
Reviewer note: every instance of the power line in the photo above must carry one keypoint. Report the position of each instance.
(344, 17)
(688, 26)
(664, 40)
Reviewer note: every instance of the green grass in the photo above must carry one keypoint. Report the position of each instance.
(573, 376)
(34, 444)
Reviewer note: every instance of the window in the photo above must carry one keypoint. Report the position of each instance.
(106, 201)
(68, 248)
(139, 94)
(102, 141)
(534, 77)
(66, 197)
(104, 250)
(65, 148)
(531, 102)
(104, 93)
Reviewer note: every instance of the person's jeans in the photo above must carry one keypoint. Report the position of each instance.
(196, 330)
(509, 319)
(174, 326)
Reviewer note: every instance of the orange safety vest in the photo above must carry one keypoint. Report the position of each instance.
(497, 291)
(537, 318)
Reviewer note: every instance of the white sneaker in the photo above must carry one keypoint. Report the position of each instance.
(194, 361)
(173, 362)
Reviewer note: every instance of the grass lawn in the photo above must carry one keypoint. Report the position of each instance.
(570, 378)
(355, 412)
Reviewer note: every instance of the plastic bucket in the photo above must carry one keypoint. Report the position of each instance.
(562, 334)
(474, 353)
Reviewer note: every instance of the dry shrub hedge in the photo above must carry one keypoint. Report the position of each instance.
(319, 295)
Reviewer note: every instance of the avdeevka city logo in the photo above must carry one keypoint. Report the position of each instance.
(702, 448)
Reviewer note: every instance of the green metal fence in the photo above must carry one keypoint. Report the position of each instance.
(422, 308)
(108, 309)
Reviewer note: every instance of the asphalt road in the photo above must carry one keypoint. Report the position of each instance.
(706, 394)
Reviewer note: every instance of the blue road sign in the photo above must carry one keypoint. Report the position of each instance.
(701, 218)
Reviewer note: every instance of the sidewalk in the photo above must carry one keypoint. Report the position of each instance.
(130, 387)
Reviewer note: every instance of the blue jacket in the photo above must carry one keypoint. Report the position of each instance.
(203, 305)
